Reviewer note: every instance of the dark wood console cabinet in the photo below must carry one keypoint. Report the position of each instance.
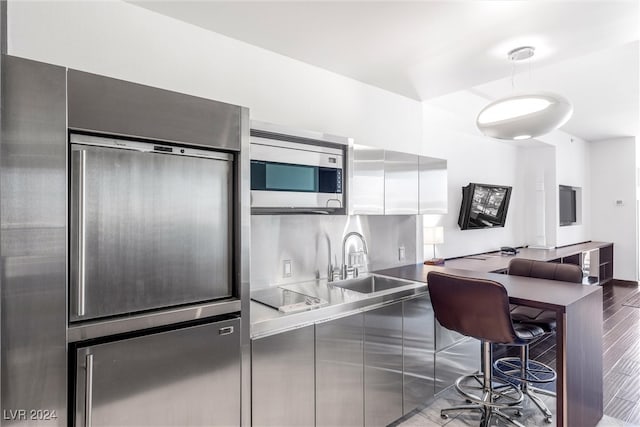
(595, 258)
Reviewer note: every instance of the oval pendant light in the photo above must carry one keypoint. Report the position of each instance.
(524, 116)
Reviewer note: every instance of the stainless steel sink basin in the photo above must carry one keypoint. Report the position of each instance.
(370, 284)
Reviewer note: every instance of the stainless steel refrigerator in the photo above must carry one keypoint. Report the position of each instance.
(151, 228)
(124, 253)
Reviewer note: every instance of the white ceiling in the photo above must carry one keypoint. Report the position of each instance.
(584, 49)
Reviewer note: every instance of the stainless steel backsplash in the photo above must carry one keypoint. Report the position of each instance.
(306, 241)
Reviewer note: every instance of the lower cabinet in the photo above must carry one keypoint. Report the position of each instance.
(419, 348)
(339, 372)
(459, 359)
(282, 376)
(188, 376)
(365, 369)
(383, 365)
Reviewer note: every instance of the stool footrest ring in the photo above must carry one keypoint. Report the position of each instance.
(536, 372)
(503, 393)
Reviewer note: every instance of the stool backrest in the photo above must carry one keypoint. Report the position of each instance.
(545, 270)
(473, 307)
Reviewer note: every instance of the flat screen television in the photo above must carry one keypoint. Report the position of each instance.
(484, 206)
(567, 205)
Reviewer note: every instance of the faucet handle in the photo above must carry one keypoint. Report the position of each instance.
(349, 272)
(334, 273)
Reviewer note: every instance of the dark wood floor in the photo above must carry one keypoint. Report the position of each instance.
(621, 358)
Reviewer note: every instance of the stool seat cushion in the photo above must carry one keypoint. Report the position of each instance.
(545, 319)
(527, 331)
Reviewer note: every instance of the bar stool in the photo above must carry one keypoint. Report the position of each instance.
(480, 309)
(524, 371)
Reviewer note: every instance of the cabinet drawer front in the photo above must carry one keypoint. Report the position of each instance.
(187, 376)
(282, 379)
(339, 372)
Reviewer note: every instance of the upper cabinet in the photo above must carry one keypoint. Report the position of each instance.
(384, 182)
(400, 183)
(366, 177)
(433, 185)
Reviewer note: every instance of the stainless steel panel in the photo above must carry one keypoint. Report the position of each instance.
(112, 106)
(295, 200)
(242, 252)
(366, 180)
(182, 377)
(146, 147)
(419, 350)
(383, 365)
(282, 376)
(103, 328)
(33, 227)
(290, 152)
(433, 185)
(446, 337)
(340, 372)
(457, 360)
(400, 183)
(312, 242)
(286, 133)
(156, 230)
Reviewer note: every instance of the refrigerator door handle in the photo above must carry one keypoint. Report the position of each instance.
(81, 231)
(88, 390)
(228, 330)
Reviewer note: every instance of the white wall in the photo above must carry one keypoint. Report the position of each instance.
(613, 178)
(574, 169)
(122, 40)
(537, 172)
(533, 168)
(450, 133)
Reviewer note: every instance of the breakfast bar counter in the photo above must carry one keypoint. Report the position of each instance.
(578, 337)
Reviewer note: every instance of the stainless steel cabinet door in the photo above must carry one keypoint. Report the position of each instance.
(400, 183)
(149, 230)
(33, 224)
(366, 183)
(185, 377)
(419, 348)
(433, 185)
(383, 365)
(459, 359)
(340, 372)
(282, 377)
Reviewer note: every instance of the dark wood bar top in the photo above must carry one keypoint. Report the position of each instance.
(495, 261)
(579, 385)
(549, 294)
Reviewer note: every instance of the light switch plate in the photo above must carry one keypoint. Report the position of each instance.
(286, 268)
(401, 254)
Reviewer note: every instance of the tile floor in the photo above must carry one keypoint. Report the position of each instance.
(531, 416)
(621, 369)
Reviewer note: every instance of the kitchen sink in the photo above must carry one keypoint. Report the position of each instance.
(370, 284)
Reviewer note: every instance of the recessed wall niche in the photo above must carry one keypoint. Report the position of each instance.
(569, 205)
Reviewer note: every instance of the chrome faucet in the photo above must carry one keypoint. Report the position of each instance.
(346, 268)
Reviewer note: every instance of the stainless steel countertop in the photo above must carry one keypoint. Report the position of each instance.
(267, 321)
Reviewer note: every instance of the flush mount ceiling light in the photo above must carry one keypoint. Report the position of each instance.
(524, 115)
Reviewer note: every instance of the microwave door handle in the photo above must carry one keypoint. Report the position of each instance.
(81, 231)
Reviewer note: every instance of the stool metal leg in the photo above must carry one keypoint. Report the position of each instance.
(492, 399)
(522, 370)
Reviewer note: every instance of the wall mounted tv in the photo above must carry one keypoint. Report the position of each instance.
(568, 211)
(484, 206)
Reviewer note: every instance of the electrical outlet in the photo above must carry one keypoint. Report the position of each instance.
(401, 254)
(286, 268)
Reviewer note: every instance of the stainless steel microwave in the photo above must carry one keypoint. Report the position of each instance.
(296, 177)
